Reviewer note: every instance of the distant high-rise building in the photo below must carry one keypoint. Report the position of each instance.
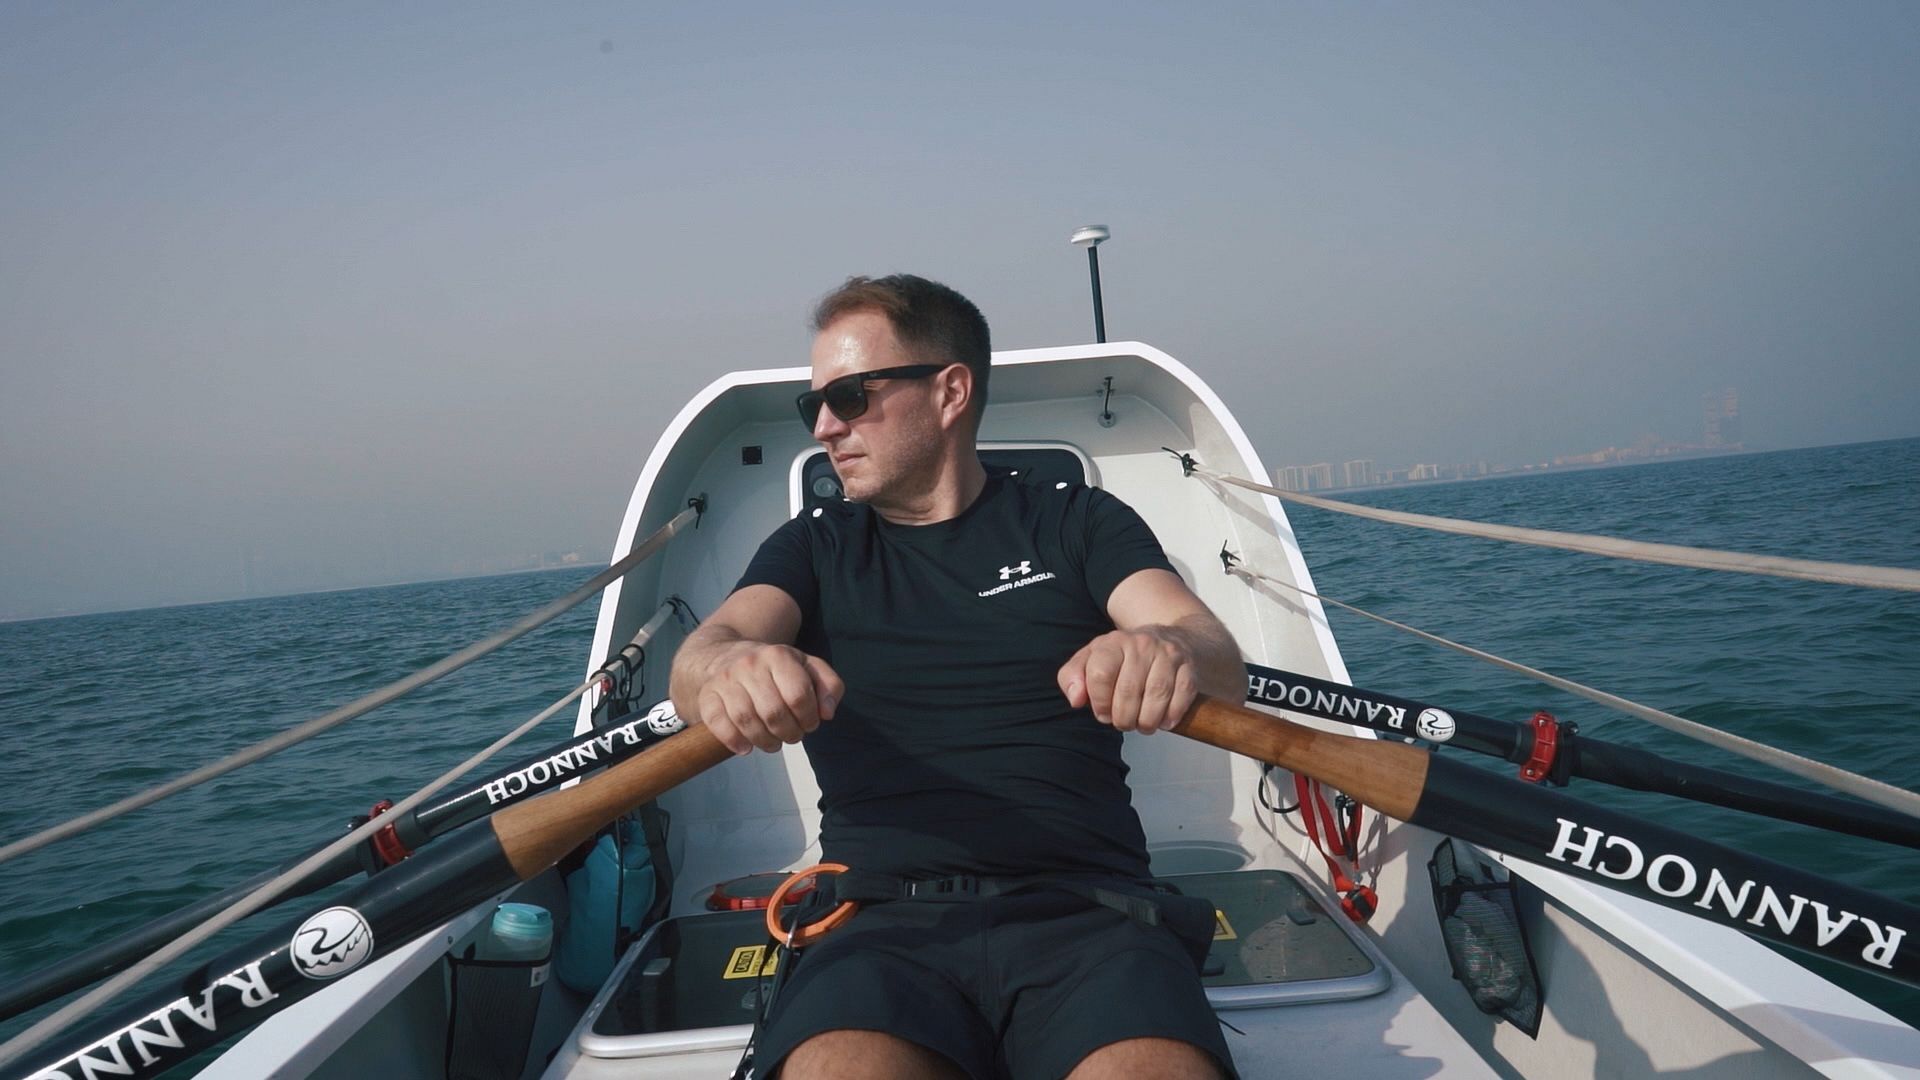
(1720, 417)
(1290, 478)
(1319, 477)
(1356, 473)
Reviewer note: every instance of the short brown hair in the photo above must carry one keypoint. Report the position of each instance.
(934, 322)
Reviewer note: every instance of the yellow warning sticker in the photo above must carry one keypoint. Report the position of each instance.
(747, 962)
(1222, 929)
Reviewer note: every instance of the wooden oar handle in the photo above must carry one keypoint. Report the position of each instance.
(536, 833)
(1387, 776)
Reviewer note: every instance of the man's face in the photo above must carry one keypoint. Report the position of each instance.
(891, 451)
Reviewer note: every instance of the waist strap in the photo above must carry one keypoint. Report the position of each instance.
(1141, 903)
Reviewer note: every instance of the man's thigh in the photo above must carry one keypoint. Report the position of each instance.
(892, 980)
(1166, 1059)
(1088, 991)
(868, 1055)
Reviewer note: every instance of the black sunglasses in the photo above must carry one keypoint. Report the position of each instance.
(847, 395)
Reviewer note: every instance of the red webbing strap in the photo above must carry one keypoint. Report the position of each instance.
(1358, 901)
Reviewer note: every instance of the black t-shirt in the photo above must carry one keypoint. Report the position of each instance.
(955, 751)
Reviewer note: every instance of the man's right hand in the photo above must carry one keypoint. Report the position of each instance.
(765, 696)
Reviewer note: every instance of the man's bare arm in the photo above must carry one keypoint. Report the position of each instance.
(741, 676)
(1166, 649)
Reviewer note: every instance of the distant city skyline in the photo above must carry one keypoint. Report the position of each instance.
(1720, 421)
(1720, 432)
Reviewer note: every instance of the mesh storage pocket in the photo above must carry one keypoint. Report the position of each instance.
(1485, 942)
(492, 1013)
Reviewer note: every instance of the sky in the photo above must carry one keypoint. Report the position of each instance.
(330, 295)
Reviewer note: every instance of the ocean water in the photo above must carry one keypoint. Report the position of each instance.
(95, 707)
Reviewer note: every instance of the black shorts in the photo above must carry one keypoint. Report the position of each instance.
(1017, 986)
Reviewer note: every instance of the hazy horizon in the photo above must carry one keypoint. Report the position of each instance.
(593, 561)
(345, 295)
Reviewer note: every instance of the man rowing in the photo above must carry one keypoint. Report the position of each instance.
(959, 652)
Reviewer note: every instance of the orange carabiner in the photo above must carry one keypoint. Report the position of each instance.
(801, 936)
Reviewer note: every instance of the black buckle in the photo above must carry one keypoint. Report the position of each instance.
(947, 886)
(1138, 908)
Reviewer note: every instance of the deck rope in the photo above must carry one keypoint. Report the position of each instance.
(1861, 787)
(1871, 577)
(266, 894)
(363, 705)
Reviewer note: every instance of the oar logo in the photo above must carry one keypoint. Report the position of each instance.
(1434, 725)
(331, 943)
(664, 719)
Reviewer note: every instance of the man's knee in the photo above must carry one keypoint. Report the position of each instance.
(1167, 1058)
(864, 1055)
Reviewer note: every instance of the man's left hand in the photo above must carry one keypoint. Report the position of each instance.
(1136, 680)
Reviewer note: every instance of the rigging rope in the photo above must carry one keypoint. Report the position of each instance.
(365, 704)
(266, 894)
(1872, 577)
(1863, 787)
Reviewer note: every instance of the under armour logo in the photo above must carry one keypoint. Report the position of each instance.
(1018, 576)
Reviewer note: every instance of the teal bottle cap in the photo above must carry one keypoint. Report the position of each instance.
(529, 921)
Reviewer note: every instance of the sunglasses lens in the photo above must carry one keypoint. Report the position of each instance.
(847, 399)
(810, 403)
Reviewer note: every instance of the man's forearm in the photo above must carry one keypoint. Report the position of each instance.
(693, 664)
(1218, 670)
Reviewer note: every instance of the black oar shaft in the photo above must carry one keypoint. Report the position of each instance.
(1387, 713)
(1750, 894)
(282, 966)
(1753, 895)
(107, 958)
(1586, 757)
(1643, 770)
(544, 771)
(516, 783)
(278, 968)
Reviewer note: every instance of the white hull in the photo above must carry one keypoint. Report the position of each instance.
(1630, 989)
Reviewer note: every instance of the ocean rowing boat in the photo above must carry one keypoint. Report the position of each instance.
(1476, 925)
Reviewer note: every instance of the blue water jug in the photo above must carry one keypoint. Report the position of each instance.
(610, 893)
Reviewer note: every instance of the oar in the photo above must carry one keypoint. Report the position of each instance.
(278, 968)
(524, 779)
(1761, 898)
(1750, 894)
(1581, 755)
